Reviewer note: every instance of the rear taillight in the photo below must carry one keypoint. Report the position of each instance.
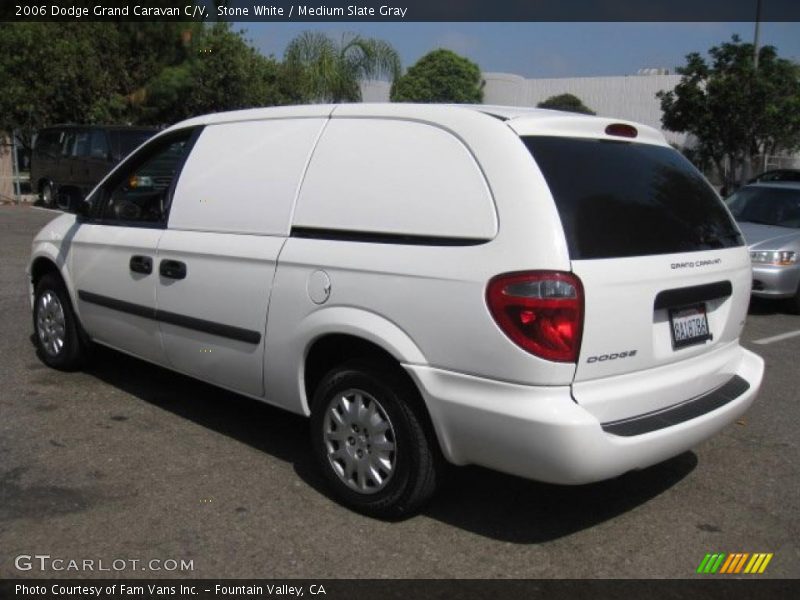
(541, 311)
(622, 130)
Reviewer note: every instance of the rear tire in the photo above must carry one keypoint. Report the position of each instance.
(370, 441)
(59, 342)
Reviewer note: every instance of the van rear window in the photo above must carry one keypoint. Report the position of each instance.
(619, 199)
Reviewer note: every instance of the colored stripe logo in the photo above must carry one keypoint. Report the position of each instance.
(735, 562)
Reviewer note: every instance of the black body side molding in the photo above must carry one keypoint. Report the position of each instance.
(219, 329)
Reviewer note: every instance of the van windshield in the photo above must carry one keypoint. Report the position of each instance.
(619, 199)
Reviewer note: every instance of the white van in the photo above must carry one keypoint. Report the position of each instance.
(546, 294)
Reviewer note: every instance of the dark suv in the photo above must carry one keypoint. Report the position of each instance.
(71, 159)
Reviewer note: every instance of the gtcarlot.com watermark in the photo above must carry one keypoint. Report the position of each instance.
(47, 563)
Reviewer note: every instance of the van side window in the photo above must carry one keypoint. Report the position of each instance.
(138, 193)
(67, 143)
(98, 146)
(81, 147)
(394, 178)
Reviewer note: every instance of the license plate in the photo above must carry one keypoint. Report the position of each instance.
(689, 325)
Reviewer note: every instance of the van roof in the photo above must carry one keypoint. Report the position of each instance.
(523, 120)
(367, 108)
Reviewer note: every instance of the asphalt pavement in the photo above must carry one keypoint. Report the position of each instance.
(129, 462)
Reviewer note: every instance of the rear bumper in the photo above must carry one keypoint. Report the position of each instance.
(541, 433)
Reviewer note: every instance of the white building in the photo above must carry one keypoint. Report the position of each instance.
(630, 97)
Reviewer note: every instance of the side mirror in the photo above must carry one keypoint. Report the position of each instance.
(74, 202)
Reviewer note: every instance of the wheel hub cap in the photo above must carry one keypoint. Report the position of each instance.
(360, 441)
(50, 326)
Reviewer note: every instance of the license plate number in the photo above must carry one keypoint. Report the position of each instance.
(689, 325)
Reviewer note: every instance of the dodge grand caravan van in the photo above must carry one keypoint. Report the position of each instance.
(546, 294)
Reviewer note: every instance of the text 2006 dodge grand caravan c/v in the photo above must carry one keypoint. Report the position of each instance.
(551, 295)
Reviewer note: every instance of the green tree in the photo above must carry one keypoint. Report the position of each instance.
(139, 52)
(138, 73)
(50, 73)
(440, 76)
(82, 72)
(566, 102)
(733, 109)
(331, 71)
(223, 73)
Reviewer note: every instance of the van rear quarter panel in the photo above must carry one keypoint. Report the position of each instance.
(395, 176)
(432, 298)
(426, 298)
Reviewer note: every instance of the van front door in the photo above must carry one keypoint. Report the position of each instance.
(113, 253)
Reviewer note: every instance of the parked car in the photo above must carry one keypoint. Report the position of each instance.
(769, 217)
(777, 175)
(551, 295)
(71, 159)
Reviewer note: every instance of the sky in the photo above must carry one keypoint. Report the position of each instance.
(537, 50)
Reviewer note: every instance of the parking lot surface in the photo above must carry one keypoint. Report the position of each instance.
(127, 461)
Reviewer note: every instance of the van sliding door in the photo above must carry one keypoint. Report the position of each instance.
(216, 260)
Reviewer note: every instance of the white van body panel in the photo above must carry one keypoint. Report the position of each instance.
(228, 283)
(51, 244)
(423, 301)
(514, 181)
(230, 217)
(99, 259)
(359, 180)
(288, 347)
(421, 291)
(244, 177)
(617, 397)
(620, 313)
(542, 434)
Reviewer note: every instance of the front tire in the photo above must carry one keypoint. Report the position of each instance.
(371, 443)
(58, 341)
(48, 197)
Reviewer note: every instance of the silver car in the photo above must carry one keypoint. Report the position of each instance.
(769, 217)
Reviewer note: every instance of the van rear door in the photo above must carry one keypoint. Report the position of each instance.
(665, 272)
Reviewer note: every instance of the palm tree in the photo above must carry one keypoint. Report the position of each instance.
(331, 71)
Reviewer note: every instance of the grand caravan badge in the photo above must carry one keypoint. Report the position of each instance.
(691, 264)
